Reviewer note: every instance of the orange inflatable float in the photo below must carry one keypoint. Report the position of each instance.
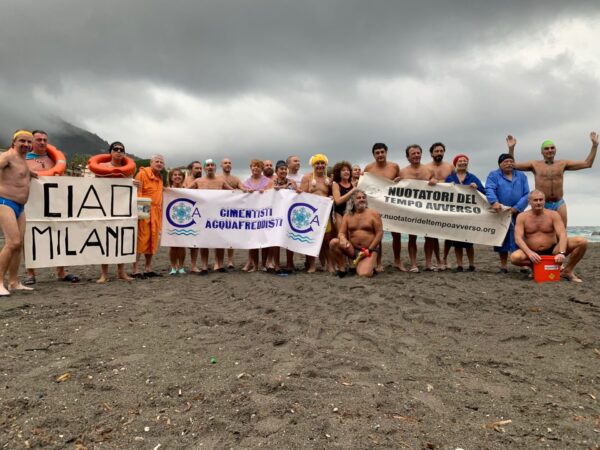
(60, 162)
(96, 165)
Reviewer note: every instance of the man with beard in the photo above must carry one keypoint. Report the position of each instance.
(15, 176)
(293, 163)
(194, 172)
(37, 161)
(536, 233)
(211, 181)
(359, 237)
(235, 183)
(317, 183)
(390, 170)
(549, 172)
(268, 170)
(417, 171)
(441, 171)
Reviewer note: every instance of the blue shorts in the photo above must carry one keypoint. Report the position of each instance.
(554, 205)
(16, 207)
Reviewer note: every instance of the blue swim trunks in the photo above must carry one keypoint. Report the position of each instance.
(16, 207)
(554, 205)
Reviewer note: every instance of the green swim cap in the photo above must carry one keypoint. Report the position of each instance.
(547, 143)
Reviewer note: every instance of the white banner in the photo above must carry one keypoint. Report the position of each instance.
(78, 221)
(445, 211)
(232, 219)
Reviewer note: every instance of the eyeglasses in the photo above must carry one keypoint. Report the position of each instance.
(118, 150)
(549, 148)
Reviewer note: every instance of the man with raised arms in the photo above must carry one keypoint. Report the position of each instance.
(15, 176)
(441, 171)
(235, 183)
(38, 160)
(390, 170)
(359, 237)
(294, 174)
(317, 183)
(549, 172)
(536, 233)
(211, 181)
(417, 171)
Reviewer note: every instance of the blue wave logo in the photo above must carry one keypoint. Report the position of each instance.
(300, 238)
(172, 232)
(181, 212)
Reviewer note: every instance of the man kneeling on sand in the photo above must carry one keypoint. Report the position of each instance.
(359, 237)
(536, 231)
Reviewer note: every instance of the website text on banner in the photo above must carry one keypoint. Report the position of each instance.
(75, 221)
(233, 219)
(445, 211)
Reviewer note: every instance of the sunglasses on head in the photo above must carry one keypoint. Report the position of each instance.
(118, 149)
(549, 148)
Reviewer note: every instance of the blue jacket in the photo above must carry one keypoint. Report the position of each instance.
(513, 192)
(469, 178)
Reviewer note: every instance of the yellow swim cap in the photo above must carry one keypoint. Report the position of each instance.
(20, 132)
(318, 157)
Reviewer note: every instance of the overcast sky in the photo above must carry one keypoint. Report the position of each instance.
(196, 79)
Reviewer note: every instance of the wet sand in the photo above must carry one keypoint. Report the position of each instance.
(419, 361)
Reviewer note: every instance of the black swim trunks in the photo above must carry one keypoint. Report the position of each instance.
(547, 251)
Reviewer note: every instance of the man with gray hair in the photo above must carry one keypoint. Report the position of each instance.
(151, 186)
(359, 237)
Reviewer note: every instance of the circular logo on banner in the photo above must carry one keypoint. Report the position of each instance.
(301, 217)
(181, 212)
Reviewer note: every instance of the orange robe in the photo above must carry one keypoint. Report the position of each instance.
(149, 230)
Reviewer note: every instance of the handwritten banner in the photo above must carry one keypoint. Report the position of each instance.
(232, 219)
(78, 221)
(445, 211)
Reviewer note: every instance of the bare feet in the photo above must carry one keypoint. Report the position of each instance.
(570, 276)
(400, 266)
(102, 279)
(380, 268)
(3, 291)
(124, 277)
(19, 287)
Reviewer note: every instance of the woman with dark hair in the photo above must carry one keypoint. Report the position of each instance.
(342, 188)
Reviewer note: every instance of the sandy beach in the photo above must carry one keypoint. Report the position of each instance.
(418, 361)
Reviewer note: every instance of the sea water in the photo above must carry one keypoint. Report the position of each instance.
(587, 232)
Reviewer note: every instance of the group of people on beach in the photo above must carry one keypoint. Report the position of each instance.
(353, 237)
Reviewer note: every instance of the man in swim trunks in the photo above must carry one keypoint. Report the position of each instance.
(235, 183)
(37, 161)
(194, 170)
(417, 171)
(361, 232)
(441, 171)
(536, 231)
(549, 173)
(15, 176)
(211, 181)
(317, 183)
(390, 170)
